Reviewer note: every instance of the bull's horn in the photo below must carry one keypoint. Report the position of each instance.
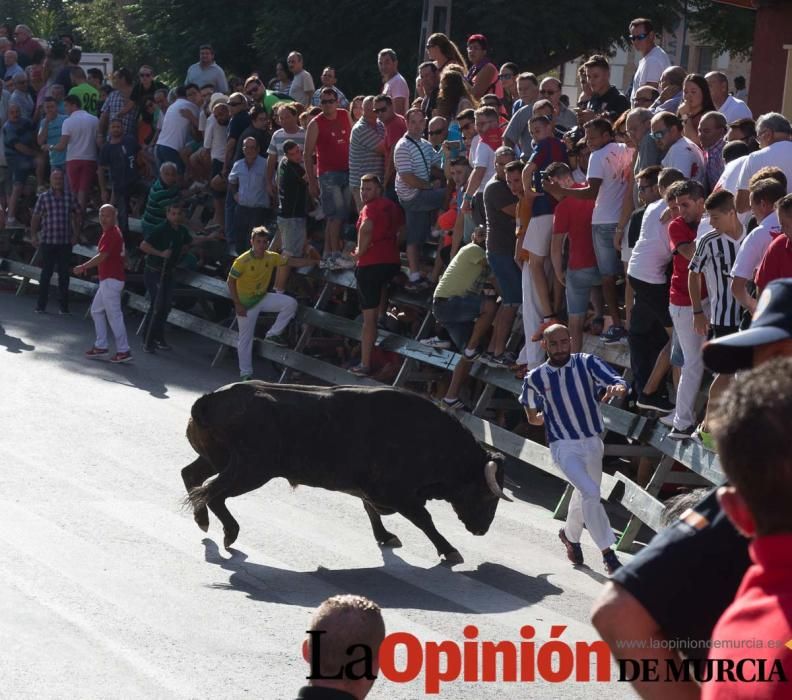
(490, 470)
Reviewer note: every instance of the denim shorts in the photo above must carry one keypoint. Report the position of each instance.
(166, 154)
(578, 289)
(607, 256)
(19, 167)
(458, 316)
(419, 212)
(335, 195)
(509, 277)
(292, 231)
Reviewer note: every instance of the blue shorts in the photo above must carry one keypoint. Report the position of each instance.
(19, 167)
(458, 316)
(335, 195)
(608, 260)
(509, 277)
(578, 289)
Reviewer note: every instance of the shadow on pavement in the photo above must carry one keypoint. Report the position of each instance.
(383, 584)
(12, 343)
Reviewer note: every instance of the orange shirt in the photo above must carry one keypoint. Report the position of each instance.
(524, 209)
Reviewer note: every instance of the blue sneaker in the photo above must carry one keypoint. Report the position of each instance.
(574, 551)
(614, 334)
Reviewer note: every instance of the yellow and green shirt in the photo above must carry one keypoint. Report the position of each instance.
(253, 275)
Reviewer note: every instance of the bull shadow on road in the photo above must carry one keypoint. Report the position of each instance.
(390, 585)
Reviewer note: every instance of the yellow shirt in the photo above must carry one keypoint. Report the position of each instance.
(253, 275)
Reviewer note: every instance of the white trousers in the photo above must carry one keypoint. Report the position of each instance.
(106, 308)
(693, 368)
(282, 304)
(532, 353)
(581, 463)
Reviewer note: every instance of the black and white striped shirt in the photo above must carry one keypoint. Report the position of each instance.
(714, 258)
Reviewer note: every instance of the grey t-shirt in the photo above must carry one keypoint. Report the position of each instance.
(500, 226)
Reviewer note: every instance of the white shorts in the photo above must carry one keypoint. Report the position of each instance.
(539, 234)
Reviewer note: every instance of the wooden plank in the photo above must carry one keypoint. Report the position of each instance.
(615, 353)
(636, 500)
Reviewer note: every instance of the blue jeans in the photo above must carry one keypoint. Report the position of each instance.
(578, 289)
(418, 213)
(335, 195)
(166, 154)
(509, 277)
(458, 316)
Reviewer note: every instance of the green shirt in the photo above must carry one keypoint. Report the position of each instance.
(157, 203)
(465, 274)
(163, 237)
(89, 97)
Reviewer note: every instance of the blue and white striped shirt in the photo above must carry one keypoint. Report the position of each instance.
(567, 396)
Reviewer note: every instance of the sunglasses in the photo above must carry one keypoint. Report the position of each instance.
(250, 93)
(637, 37)
(506, 76)
(380, 110)
(435, 132)
(658, 135)
(329, 102)
(234, 104)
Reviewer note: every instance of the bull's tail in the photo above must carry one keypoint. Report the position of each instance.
(200, 496)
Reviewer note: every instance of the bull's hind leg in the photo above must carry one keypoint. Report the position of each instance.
(383, 537)
(193, 475)
(420, 517)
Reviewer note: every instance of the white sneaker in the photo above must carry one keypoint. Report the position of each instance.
(668, 420)
(436, 342)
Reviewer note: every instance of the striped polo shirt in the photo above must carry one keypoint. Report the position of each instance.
(714, 258)
(568, 396)
(414, 156)
(364, 156)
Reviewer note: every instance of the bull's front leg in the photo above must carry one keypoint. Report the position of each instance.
(383, 537)
(419, 516)
(193, 475)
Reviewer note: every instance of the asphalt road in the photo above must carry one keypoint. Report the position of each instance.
(109, 590)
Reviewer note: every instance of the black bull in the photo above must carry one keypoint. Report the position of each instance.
(392, 449)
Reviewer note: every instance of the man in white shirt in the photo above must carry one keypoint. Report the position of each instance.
(772, 131)
(206, 71)
(302, 85)
(728, 105)
(78, 139)
(608, 178)
(393, 82)
(177, 127)
(653, 59)
(680, 152)
(763, 195)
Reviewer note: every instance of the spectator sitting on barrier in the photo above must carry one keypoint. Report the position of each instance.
(106, 305)
(164, 245)
(163, 192)
(378, 260)
(465, 306)
(248, 282)
(344, 622)
(759, 402)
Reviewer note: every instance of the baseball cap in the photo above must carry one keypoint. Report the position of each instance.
(217, 98)
(772, 321)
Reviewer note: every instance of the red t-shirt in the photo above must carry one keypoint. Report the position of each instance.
(332, 143)
(681, 232)
(776, 263)
(762, 609)
(394, 130)
(573, 216)
(112, 243)
(386, 219)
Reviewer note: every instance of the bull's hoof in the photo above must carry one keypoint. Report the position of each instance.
(391, 542)
(202, 519)
(230, 537)
(453, 557)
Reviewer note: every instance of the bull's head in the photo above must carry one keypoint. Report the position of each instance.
(476, 502)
